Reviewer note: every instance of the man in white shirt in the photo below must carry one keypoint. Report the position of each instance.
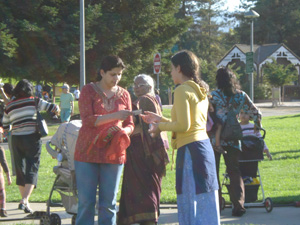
(77, 93)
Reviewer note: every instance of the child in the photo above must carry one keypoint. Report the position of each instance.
(66, 104)
(4, 165)
(244, 122)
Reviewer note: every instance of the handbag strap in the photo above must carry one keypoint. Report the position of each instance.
(227, 102)
(36, 104)
(37, 111)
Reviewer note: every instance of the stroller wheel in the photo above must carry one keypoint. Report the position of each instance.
(55, 219)
(45, 220)
(268, 204)
(73, 219)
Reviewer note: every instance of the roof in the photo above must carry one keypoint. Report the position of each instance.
(261, 52)
(264, 51)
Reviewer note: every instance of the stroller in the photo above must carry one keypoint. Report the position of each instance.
(252, 153)
(64, 141)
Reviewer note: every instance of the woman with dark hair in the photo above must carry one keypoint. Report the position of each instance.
(196, 179)
(147, 158)
(100, 153)
(228, 96)
(20, 118)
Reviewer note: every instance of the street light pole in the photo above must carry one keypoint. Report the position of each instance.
(82, 45)
(251, 14)
(251, 75)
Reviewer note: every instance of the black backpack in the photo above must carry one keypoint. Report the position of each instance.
(231, 130)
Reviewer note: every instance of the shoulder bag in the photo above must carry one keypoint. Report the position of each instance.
(41, 125)
(231, 130)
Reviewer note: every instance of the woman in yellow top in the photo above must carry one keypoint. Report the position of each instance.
(196, 179)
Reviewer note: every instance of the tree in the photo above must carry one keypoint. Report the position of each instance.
(8, 46)
(45, 32)
(47, 36)
(279, 22)
(278, 75)
(205, 36)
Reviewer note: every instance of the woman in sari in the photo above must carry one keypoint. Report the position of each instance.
(146, 162)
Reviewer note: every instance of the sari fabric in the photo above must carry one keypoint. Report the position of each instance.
(146, 165)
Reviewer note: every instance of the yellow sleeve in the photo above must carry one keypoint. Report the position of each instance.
(165, 119)
(182, 122)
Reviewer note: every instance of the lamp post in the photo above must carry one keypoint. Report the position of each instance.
(251, 15)
(82, 44)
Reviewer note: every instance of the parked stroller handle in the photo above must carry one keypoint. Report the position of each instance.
(50, 150)
(264, 131)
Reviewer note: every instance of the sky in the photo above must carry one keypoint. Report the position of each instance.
(232, 4)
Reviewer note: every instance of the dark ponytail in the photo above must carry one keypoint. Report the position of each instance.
(189, 65)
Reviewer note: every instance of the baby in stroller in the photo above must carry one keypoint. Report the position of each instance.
(248, 129)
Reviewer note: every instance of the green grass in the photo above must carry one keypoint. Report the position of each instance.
(52, 126)
(279, 176)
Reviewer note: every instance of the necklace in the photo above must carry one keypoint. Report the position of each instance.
(108, 103)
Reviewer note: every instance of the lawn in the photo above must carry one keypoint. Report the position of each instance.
(279, 176)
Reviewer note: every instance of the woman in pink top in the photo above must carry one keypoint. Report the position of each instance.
(105, 110)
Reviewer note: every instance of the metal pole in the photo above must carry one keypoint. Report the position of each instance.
(157, 84)
(251, 74)
(82, 45)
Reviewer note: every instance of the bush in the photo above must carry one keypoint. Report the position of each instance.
(262, 92)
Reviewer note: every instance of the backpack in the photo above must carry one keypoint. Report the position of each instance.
(231, 130)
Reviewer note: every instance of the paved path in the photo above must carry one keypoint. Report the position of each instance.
(279, 216)
(286, 108)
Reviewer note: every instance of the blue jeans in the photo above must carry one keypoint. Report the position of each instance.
(65, 115)
(88, 177)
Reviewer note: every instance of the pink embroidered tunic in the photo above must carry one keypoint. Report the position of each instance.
(93, 103)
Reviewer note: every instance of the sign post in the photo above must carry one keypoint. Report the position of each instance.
(249, 62)
(157, 67)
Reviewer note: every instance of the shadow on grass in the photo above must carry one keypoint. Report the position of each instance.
(285, 152)
(285, 201)
(285, 155)
(285, 158)
(286, 117)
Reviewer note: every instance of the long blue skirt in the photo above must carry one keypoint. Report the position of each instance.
(196, 209)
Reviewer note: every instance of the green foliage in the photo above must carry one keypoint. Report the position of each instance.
(8, 44)
(46, 33)
(203, 37)
(279, 22)
(262, 91)
(208, 73)
(278, 75)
